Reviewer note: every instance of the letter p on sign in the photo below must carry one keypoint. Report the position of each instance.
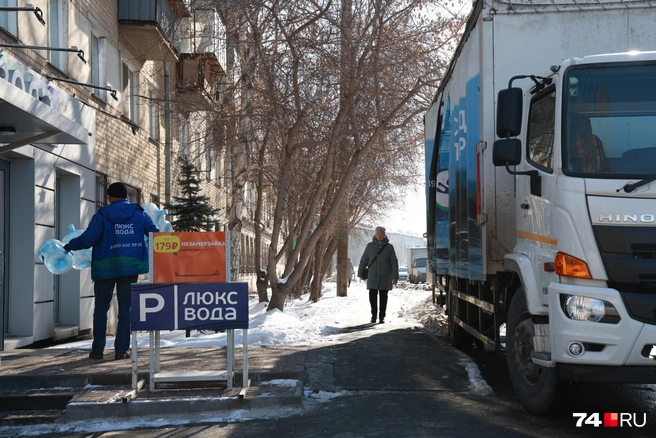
(153, 309)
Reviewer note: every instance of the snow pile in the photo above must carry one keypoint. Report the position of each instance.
(304, 323)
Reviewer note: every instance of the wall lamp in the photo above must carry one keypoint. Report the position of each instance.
(110, 89)
(30, 8)
(80, 53)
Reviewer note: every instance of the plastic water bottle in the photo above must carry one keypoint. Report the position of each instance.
(157, 217)
(152, 211)
(163, 225)
(57, 260)
(81, 257)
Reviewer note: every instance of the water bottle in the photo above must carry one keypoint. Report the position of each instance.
(57, 260)
(157, 217)
(152, 211)
(163, 225)
(81, 257)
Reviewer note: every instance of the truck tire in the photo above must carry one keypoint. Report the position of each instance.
(457, 335)
(536, 387)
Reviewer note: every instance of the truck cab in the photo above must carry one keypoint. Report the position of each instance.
(584, 148)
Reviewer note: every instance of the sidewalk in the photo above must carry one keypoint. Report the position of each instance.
(314, 353)
(362, 358)
(48, 380)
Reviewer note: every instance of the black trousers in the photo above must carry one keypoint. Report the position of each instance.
(373, 300)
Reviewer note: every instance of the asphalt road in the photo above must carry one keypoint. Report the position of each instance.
(586, 398)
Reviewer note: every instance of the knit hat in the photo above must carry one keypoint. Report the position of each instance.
(380, 230)
(117, 190)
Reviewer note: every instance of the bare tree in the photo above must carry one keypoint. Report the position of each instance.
(324, 137)
(326, 117)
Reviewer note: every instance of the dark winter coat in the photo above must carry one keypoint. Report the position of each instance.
(386, 267)
(116, 235)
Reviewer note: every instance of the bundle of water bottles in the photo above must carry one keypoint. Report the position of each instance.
(59, 261)
(157, 216)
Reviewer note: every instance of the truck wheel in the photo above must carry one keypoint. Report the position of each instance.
(536, 387)
(457, 335)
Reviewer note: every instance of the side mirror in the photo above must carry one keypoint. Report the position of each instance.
(507, 152)
(509, 112)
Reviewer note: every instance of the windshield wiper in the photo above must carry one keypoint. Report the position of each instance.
(629, 187)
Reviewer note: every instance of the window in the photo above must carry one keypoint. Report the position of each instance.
(130, 93)
(153, 116)
(194, 150)
(101, 191)
(248, 201)
(219, 168)
(541, 121)
(211, 164)
(608, 121)
(202, 153)
(8, 20)
(134, 195)
(58, 33)
(97, 63)
(183, 137)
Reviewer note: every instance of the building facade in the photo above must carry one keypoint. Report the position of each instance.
(133, 99)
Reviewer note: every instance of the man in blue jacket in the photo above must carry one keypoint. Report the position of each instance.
(116, 235)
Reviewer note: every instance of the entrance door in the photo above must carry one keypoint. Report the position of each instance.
(4, 296)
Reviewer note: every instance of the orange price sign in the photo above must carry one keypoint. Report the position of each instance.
(194, 257)
(166, 243)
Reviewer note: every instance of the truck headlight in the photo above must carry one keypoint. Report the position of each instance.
(581, 308)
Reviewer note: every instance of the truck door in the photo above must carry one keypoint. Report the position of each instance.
(535, 233)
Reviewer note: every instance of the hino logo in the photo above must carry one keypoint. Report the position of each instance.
(634, 218)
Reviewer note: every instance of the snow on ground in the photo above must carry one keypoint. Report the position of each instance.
(301, 323)
(305, 323)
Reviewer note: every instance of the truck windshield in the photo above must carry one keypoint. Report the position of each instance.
(609, 121)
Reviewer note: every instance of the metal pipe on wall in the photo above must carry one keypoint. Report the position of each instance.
(168, 135)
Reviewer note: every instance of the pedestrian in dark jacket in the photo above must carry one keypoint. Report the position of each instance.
(116, 235)
(380, 256)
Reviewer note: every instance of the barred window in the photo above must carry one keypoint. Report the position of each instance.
(101, 190)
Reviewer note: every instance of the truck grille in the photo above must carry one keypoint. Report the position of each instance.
(629, 255)
(644, 251)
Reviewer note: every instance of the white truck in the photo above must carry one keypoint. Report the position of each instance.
(416, 259)
(541, 191)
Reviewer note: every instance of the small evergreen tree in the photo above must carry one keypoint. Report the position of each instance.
(192, 210)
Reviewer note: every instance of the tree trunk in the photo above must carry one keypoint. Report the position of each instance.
(307, 277)
(278, 298)
(341, 231)
(331, 248)
(261, 284)
(315, 289)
